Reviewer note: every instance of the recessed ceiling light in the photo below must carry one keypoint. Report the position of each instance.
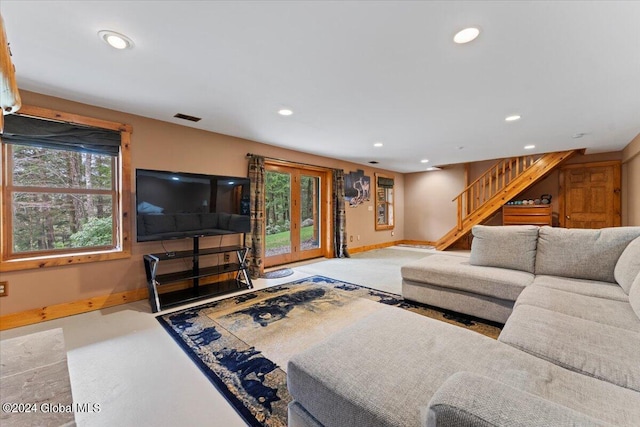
(512, 118)
(285, 112)
(424, 161)
(115, 40)
(378, 144)
(529, 147)
(466, 35)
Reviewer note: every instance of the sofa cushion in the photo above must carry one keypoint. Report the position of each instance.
(457, 273)
(467, 399)
(384, 368)
(511, 246)
(590, 348)
(601, 310)
(209, 220)
(581, 253)
(628, 265)
(297, 416)
(188, 222)
(591, 288)
(634, 296)
(223, 220)
(160, 223)
(240, 223)
(471, 303)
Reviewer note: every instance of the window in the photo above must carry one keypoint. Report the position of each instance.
(384, 203)
(65, 190)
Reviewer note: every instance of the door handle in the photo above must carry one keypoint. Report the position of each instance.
(568, 217)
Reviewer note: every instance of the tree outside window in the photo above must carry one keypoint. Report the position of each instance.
(61, 199)
(65, 190)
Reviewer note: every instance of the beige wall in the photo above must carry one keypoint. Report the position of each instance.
(161, 145)
(631, 183)
(429, 211)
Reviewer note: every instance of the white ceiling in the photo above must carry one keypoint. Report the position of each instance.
(354, 73)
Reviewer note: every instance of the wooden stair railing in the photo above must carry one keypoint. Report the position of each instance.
(490, 183)
(500, 183)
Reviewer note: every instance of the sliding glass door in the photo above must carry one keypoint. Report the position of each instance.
(293, 214)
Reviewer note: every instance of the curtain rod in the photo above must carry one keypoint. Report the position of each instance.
(289, 161)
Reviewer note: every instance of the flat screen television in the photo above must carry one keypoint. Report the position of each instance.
(176, 205)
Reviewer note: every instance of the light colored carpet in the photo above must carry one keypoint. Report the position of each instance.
(378, 269)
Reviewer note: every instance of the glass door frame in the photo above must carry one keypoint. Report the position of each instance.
(325, 242)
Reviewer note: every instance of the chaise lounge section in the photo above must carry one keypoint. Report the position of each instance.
(568, 354)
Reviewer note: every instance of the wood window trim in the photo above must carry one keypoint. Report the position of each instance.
(123, 168)
(392, 205)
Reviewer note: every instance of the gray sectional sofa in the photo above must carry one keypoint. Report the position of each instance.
(506, 260)
(159, 226)
(569, 353)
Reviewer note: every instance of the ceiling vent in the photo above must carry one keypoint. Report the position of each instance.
(187, 117)
(374, 162)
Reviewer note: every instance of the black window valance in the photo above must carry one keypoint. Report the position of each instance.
(36, 132)
(385, 182)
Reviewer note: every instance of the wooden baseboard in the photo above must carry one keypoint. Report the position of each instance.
(418, 242)
(388, 244)
(372, 247)
(57, 311)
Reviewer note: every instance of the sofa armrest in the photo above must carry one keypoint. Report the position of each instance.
(467, 399)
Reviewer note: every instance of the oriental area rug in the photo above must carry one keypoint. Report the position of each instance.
(243, 343)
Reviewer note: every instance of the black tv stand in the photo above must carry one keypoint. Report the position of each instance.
(197, 291)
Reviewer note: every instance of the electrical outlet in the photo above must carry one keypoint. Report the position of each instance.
(3, 289)
(351, 238)
(227, 257)
(358, 237)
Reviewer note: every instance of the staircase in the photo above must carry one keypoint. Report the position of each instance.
(500, 183)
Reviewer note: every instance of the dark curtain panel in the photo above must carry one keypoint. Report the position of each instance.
(256, 243)
(339, 216)
(35, 132)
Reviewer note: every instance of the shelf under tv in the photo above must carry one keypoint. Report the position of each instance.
(197, 291)
(185, 296)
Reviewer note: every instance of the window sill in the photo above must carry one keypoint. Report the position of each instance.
(59, 260)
